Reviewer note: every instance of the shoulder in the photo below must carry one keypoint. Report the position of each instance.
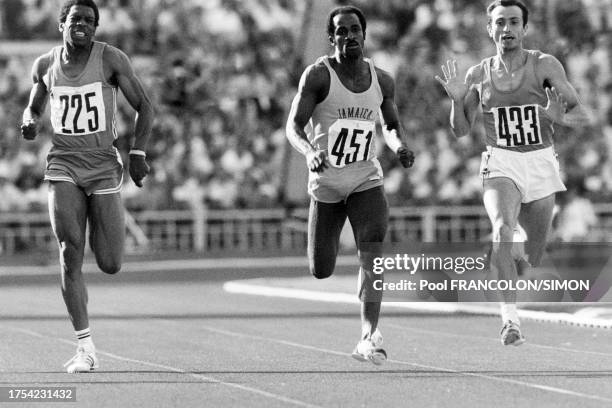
(115, 58)
(315, 77)
(547, 64)
(475, 73)
(386, 81)
(42, 64)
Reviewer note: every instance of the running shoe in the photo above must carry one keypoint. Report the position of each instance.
(369, 349)
(83, 361)
(511, 334)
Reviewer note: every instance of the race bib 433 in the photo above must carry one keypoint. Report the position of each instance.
(517, 125)
(78, 110)
(349, 141)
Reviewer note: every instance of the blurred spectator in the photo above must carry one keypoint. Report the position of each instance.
(220, 74)
(13, 19)
(117, 26)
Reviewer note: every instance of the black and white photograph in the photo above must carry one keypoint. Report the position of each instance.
(306, 203)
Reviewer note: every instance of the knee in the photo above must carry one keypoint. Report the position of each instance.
(71, 250)
(109, 266)
(534, 260)
(321, 273)
(373, 233)
(534, 251)
(502, 232)
(321, 269)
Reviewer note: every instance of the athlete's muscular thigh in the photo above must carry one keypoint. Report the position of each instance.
(325, 222)
(68, 214)
(107, 230)
(502, 200)
(368, 212)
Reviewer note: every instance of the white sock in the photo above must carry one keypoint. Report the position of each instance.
(508, 312)
(84, 339)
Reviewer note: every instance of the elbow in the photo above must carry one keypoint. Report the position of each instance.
(288, 130)
(292, 129)
(145, 109)
(460, 132)
(579, 117)
(391, 126)
(150, 109)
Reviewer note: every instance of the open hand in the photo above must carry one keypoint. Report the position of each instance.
(557, 105)
(317, 161)
(453, 85)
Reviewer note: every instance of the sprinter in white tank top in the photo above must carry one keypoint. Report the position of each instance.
(340, 97)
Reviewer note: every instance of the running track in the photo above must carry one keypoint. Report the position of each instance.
(175, 336)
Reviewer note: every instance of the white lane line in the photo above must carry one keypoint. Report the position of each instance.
(185, 264)
(511, 381)
(332, 297)
(200, 377)
(429, 367)
(412, 329)
(246, 287)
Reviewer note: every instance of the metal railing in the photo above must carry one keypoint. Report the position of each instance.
(259, 230)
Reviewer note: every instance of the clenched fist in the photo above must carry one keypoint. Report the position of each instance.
(405, 156)
(29, 129)
(138, 168)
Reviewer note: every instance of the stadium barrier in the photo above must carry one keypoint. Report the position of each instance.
(263, 229)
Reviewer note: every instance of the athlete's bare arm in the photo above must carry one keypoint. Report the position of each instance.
(122, 74)
(391, 125)
(38, 98)
(463, 95)
(313, 89)
(564, 105)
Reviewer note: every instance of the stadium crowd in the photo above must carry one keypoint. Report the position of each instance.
(222, 74)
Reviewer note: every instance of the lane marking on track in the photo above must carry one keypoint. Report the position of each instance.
(511, 381)
(429, 367)
(245, 287)
(200, 377)
(471, 336)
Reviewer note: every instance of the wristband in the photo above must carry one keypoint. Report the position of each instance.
(137, 152)
(394, 144)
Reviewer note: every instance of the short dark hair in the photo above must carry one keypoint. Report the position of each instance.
(345, 10)
(65, 9)
(508, 3)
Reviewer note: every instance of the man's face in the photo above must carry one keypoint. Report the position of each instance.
(79, 27)
(348, 35)
(506, 27)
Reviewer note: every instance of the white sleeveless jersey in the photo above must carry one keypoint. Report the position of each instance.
(344, 124)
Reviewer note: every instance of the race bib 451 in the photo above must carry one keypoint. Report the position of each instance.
(349, 141)
(517, 125)
(78, 110)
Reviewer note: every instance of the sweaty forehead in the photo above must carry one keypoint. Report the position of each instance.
(80, 10)
(506, 12)
(346, 20)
